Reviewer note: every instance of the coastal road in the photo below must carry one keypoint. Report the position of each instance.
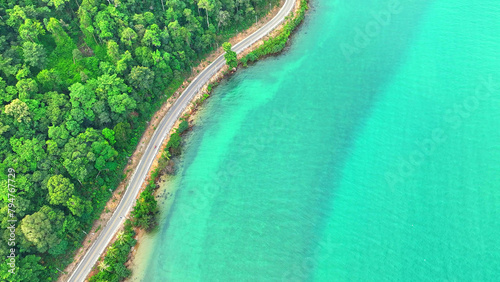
(94, 252)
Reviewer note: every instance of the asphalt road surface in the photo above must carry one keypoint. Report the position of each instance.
(166, 124)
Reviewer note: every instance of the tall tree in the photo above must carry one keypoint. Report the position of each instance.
(152, 36)
(26, 88)
(19, 110)
(34, 54)
(76, 205)
(82, 99)
(141, 78)
(128, 36)
(60, 189)
(30, 30)
(230, 55)
(41, 228)
(113, 52)
(29, 151)
(208, 6)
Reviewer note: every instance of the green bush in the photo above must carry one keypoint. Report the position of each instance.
(183, 126)
(174, 144)
(145, 209)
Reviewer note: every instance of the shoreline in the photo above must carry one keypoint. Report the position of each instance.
(145, 138)
(165, 181)
(147, 135)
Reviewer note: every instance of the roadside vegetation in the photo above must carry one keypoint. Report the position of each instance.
(143, 216)
(112, 267)
(78, 82)
(276, 44)
(230, 56)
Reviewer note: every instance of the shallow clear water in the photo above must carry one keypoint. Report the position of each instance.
(369, 151)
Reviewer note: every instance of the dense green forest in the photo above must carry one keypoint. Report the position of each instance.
(78, 82)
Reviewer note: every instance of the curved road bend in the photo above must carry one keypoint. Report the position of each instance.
(94, 252)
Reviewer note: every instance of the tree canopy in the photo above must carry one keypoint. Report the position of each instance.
(41, 228)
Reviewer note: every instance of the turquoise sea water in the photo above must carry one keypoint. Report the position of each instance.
(369, 151)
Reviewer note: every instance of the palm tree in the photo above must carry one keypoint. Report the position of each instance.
(102, 265)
